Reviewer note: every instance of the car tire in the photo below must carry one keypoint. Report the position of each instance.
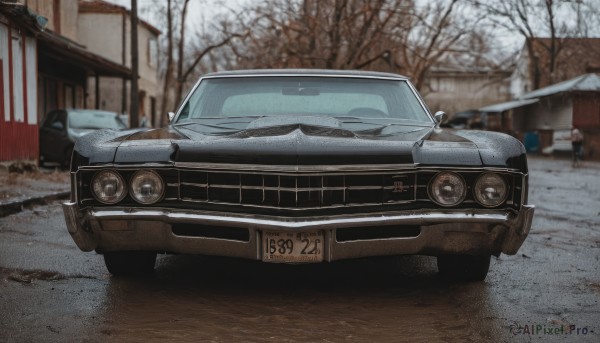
(121, 263)
(464, 267)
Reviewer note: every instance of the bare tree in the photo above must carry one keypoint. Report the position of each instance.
(536, 19)
(134, 107)
(386, 35)
(433, 33)
(184, 74)
(168, 74)
(180, 51)
(182, 55)
(335, 34)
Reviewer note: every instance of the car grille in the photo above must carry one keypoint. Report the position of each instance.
(191, 188)
(297, 191)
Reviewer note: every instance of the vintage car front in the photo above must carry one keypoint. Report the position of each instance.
(298, 166)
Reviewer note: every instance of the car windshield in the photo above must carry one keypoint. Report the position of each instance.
(338, 97)
(94, 120)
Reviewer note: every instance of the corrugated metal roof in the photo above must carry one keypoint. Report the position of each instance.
(503, 106)
(586, 82)
(76, 54)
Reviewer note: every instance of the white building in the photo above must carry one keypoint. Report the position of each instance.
(105, 29)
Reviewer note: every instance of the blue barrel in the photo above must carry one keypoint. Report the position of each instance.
(531, 141)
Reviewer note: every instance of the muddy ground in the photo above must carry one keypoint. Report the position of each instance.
(50, 291)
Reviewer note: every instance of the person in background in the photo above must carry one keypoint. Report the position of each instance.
(577, 144)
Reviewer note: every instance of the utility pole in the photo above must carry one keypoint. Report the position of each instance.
(134, 108)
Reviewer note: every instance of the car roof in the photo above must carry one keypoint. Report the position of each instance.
(306, 72)
(89, 110)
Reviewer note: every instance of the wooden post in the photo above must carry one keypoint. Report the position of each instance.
(134, 106)
(97, 91)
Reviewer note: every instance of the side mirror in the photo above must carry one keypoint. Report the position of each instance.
(171, 116)
(440, 118)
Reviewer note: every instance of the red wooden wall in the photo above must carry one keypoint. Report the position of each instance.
(18, 140)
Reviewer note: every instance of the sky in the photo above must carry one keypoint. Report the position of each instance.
(210, 8)
(200, 12)
(197, 8)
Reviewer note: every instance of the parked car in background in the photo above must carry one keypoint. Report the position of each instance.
(470, 119)
(61, 128)
(301, 166)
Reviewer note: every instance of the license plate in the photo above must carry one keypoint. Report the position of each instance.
(292, 247)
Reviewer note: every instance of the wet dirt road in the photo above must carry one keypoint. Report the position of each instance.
(50, 291)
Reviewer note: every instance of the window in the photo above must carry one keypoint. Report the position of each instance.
(306, 96)
(330, 103)
(152, 52)
(1, 89)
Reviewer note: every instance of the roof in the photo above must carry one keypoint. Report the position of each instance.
(23, 16)
(305, 72)
(504, 106)
(583, 83)
(59, 46)
(100, 6)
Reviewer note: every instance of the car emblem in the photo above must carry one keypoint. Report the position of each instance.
(399, 187)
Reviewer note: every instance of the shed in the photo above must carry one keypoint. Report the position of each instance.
(551, 111)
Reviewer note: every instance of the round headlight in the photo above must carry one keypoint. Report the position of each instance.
(108, 187)
(447, 189)
(490, 190)
(147, 187)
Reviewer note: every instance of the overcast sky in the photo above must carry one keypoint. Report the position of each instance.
(197, 8)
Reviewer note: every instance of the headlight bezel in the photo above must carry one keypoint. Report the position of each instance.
(124, 187)
(477, 187)
(430, 190)
(134, 195)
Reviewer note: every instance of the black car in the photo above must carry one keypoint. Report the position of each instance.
(61, 128)
(300, 166)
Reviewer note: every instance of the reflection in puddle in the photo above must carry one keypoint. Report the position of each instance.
(384, 299)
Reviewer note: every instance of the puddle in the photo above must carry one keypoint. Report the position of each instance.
(29, 276)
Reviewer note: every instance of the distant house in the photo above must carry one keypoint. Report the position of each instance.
(454, 89)
(551, 111)
(105, 29)
(42, 69)
(573, 57)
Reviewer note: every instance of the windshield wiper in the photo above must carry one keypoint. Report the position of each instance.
(385, 123)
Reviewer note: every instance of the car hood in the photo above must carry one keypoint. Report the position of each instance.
(304, 143)
(77, 133)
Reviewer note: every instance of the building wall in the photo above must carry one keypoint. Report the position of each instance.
(5, 70)
(575, 57)
(102, 34)
(67, 16)
(18, 89)
(455, 92)
(61, 85)
(591, 143)
(109, 44)
(519, 80)
(555, 113)
(586, 117)
(148, 71)
(586, 110)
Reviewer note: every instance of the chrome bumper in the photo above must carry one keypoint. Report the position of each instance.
(441, 232)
